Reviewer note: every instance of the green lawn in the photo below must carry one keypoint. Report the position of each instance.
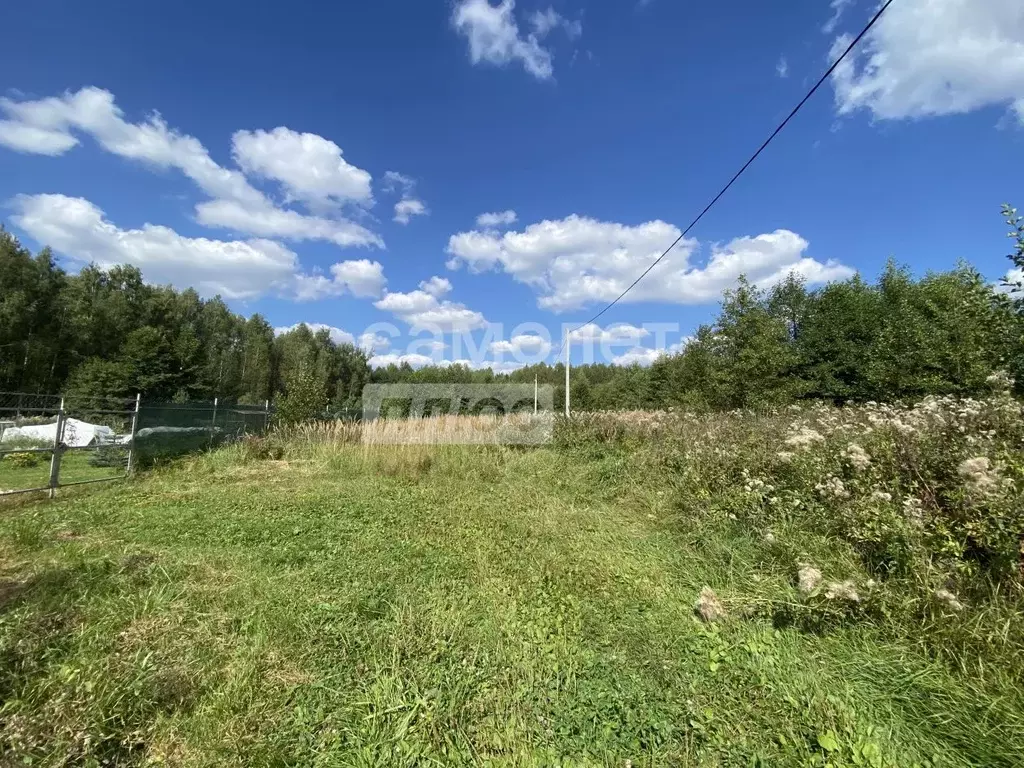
(456, 606)
(74, 467)
(14, 475)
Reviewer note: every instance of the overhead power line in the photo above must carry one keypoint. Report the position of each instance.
(753, 157)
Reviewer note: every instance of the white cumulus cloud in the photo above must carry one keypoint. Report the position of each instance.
(614, 334)
(545, 21)
(361, 278)
(398, 182)
(408, 207)
(374, 342)
(528, 344)
(496, 219)
(309, 167)
(22, 137)
(48, 126)
(494, 37)
(436, 286)
(278, 222)
(78, 229)
(578, 261)
(838, 8)
(423, 309)
(235, 269)
(638, 356)
(935, 57)
(646, 356)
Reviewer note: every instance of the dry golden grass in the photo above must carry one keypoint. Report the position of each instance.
(458, 430)
(484, 429)
(320, 433)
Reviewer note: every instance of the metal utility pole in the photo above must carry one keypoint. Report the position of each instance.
(567, 374)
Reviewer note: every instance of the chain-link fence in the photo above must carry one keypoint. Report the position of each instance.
(166, 430)
(48, 442)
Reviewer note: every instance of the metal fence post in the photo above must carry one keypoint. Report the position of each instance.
(266, 415)
(55, 457)
(213, 425)
(132, 453)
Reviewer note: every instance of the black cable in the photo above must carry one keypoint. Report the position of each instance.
(740, 172)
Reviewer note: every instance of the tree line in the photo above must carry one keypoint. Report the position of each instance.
(107, 333)
(898, 338)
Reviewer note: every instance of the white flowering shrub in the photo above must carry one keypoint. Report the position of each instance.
(932, 491)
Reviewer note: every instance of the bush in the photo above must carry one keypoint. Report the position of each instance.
(22, 460)
(932, 494)
(305, 398)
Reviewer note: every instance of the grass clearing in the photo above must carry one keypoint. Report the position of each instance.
(463, 605)
(20, 473)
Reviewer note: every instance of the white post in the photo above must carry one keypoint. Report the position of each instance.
(535, 394)
(133, 454)
(55, 457)
(567, 374)
(213, 424)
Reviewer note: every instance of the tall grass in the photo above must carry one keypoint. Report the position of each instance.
(483, 429)
(397, 447)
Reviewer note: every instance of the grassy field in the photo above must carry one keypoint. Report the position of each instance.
(449, 605)
(74, 468)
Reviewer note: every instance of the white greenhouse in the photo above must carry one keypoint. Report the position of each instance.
(77, 434)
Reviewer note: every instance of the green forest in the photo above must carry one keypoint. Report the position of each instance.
(107, 333)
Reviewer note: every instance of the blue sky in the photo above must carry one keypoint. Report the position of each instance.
(325, 163)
